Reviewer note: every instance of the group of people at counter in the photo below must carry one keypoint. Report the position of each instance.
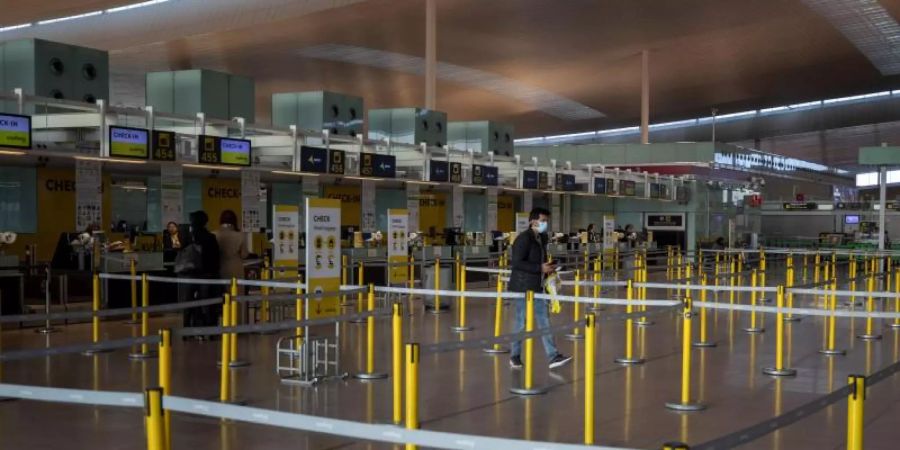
(199, 253)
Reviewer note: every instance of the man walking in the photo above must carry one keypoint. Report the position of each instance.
(528, 260)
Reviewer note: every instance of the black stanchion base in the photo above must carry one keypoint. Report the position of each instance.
(869, 337)
(96, 351)
(359, 320)
(370, 376)
(440, 310)
(141, 356)
(832, 352)
(238, 363)
(630, 361)
(756, 330)
(644, 323)
(527, 392)
(461, 329)
(771, 371)
(495, 351)
(597, 308)
(685, 407)
(895, 326)
(706, 344)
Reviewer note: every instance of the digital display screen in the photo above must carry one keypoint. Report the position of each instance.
(484, 175)
(439, 171)
(235, 152)
(163, 145)
(336, 160)
(455, 172)
(313, 159)
(565, 182)
(529, 179)
(126, 142)
(626, 188)
(15, 131)
(851, 220)
(378, 165)
(654, 190)
(600, 185)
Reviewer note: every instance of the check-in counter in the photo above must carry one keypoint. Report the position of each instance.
(12, 286)
(374, 268)
(117, 293)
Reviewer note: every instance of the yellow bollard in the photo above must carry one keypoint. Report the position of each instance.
(397, 360)
(153, 419)
(411, 273)
(232, 359)
(598, 268)
(896, 324)
(753, 328)
(762, 273)
(589, 376)
(370, 373)
(265, 290)
(642, 292)
(789, 285)
(165, 380)
(95, 319)
(675, 446)
(498, 319)
(684, 404)
(527, 387)
(704, 340)
(829, 349)
(344, 279)
(731, 280)
(805, 267)
(856, 412)
(870, 308)
(436, 307)
(412, 389)
(298, 315)
(629, 358)
(145, 320)
(134, 302)
(461, 326)
(360, 281)
(779, 370)
(576, 308)
(224, 371)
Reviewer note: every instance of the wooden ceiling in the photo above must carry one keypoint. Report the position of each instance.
(728, 54)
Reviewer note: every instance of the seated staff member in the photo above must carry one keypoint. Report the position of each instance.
(529, 268)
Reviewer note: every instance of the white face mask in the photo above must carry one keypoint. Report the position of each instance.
(542, 226)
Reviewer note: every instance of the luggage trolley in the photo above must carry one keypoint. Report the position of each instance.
(306, 360)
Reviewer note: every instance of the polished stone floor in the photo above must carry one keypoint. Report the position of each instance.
(467, 391)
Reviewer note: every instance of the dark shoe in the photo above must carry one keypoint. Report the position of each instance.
(559, 360)
(515, 362)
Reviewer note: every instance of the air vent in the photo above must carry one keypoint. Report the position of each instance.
(57, 94)
(335, 110)
(56, 66)
(89, 98)
(89, 72)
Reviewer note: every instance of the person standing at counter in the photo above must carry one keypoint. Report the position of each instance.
(528, 259)
(172, 242)
(232, 248)
(198, 258)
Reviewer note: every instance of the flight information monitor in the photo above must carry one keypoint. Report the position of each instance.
(127, 142)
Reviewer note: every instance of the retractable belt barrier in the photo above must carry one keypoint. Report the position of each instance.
(448, 293)
(17, 355)
(307, 295)
(112, 312)
(206, 281)
(801, 311)
(79, 396)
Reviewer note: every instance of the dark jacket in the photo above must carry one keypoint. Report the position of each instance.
(210, 250)
(529, 252)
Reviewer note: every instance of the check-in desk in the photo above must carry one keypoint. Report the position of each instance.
(374, 265)
(117, 293)
(12, 286)
(475, 256)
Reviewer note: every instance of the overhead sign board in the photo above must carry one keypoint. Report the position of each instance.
(455, 172)
(336, 159)
(226, 151)
(485, 175)
(565, 182)
(439, 171)
(163, 145)
(313, 159)
(15, 131)
(378, 165)
(533, 179)
(128, 142)
(665, 222)
(600, 185)
(798, 206)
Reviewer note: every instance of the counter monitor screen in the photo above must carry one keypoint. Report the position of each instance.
(127, 142)
(15, 131)
(235, 152)
(851, 220)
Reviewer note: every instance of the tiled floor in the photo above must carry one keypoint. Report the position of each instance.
(467, 391)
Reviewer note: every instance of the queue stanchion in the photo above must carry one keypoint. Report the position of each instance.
(95, 318)
(576, 308)
(266, 275)
(826, 272)
(412, 389)
(132, 269)
(370, 373)
(896, 324)
(753, 328)
(817, 263)
(870, 308)
(684, 403)
(790, 285)
(344, 279)
(831, 304)
(779, 370)
(762, 275)
(233, 360)
(527, 383)
(145, 352)
(360, 280)
(856, 412)
(716, 271)
(224, 370)
(704, 341)
(629, 359)
(852, 275)
(805, 267)
(498, 319)
(731, 280)
(598, 276)
(436, 305)
(641, 274)
(298, 316)
(461, 326)
(153, 419)
(397, 360)
(165, 380)
(589, 376)
(411, 282)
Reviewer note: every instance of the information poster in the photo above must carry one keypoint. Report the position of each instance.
(88, 194)
(412, 205)
(398, 232)
(609, 233)
(368, 206)
(171, 192)
(323, 254)
(285, 237)
(491, 222)
(457, 207)
(250, 204)
(521, 222)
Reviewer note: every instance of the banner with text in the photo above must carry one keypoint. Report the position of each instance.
(285, 245)
(323, 255)
(250, 204)
(88, 195)
(171, 193)
(398, 232)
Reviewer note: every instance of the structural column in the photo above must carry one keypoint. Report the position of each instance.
(645, 97)
(430, 53)
(882, 200)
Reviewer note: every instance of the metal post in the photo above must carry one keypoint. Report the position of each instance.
(882, 200)
(430, 54)
(704, 340)
(527, 387)
(896, 324)
(165, 379)
(629, 358)
(224, 371)
(498, 319)
(753, 328)
(779, 370)
(685, 402)
(870, 308)
(397, 360)
(370, 373)
(829, 349)
(856, 412)
(589, 376)
(145, 352)
(412, 389)
(95, 318)
(153, 419)
(344, 279)
(576, 307)
(461, 318)
(47, 327)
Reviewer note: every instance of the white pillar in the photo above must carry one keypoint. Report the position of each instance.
(645, 97)
(430, 53)
(882, 201)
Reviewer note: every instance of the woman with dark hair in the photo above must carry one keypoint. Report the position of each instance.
(173, 241)
(198, 258)
(232, 248)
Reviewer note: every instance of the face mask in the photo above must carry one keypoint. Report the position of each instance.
(542, 227)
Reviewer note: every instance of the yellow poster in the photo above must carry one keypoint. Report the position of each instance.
(323, 255)
(285, 241)
(351, 205)
(398, 254)
(218, 195)
(506, 213)
(432, 212)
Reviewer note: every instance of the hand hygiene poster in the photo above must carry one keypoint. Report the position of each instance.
(323, 254)
(398, 254)
(286, 235)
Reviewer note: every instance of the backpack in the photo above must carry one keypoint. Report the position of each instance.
(189, 259)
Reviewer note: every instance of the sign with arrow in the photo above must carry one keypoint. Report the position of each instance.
(440, 171)
(377, 165)
(313, 159)
(484, 175)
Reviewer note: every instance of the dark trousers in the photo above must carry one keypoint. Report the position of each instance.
(201, 316)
